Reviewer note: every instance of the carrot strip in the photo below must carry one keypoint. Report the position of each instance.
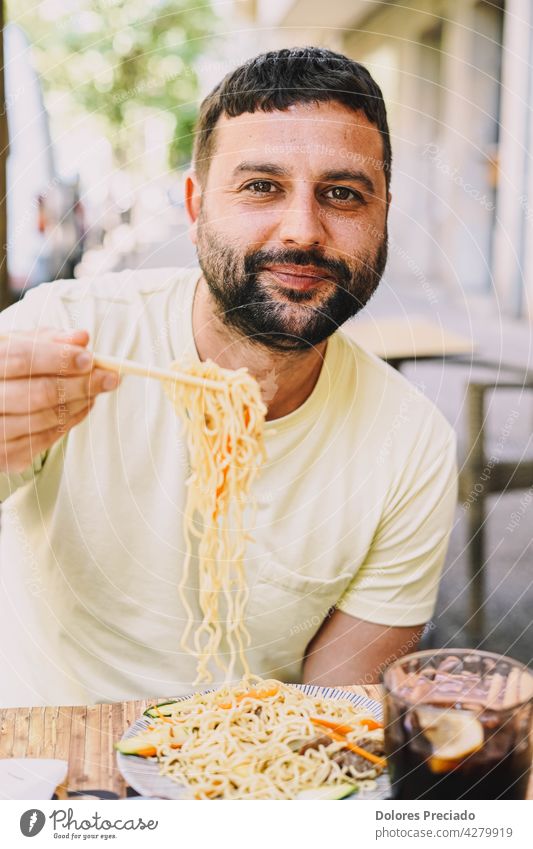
(357, 750)
(335, 726)
(219, 491)
(371, 724)
(251, 694)
(149, 752)
(162, 716)
(375, 759)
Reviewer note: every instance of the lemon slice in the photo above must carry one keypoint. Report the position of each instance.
(454, 734)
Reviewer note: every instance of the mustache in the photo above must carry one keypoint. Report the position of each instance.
(295, 256)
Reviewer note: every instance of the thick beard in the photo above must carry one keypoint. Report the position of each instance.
(290, 322)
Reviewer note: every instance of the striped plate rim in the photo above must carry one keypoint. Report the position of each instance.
(143, 776)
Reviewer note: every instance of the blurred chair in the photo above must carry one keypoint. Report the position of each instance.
(401, 340)
(480, 477)
(415, 338)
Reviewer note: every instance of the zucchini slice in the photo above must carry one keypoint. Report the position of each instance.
(327, 793)
(163, 708)
(142, 745)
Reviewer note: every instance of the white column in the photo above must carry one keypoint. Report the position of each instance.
(465, 196)
(527, 200)
(514, 198)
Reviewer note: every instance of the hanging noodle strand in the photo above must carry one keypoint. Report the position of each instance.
(224, 433)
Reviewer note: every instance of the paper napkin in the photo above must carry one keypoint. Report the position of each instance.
(30, 778)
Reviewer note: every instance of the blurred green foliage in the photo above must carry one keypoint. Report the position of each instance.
(119, 59)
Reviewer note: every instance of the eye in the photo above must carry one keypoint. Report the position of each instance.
(261, 187)
(344, 194)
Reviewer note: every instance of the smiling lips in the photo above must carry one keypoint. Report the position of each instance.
(301, 277)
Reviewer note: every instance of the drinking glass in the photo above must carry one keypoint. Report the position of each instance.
(458, 725)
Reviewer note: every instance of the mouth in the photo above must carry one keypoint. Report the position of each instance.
(302, 277)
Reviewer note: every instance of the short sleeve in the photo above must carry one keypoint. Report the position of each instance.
(10, 483)
(398, 582)
(39, 308)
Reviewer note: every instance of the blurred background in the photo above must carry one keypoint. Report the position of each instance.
(96, 129)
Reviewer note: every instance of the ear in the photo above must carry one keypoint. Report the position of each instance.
(193, 201)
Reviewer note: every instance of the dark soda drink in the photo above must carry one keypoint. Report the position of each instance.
(458, 726)
(492, 766)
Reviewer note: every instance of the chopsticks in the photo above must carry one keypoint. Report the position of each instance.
(131, 367)
(123, 366)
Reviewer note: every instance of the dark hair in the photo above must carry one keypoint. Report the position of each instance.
(281, 78)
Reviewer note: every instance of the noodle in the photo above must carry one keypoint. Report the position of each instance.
(259, 739)
(224, 431)
(245, 742)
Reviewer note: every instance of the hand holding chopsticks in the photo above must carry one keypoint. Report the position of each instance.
(49, 382)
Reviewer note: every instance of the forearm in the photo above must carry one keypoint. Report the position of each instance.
(347, 650)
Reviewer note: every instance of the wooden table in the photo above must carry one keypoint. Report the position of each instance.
(84, 736)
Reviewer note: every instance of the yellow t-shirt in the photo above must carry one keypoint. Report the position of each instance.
(355, 506)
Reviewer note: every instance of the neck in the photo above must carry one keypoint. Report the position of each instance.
(286, 378)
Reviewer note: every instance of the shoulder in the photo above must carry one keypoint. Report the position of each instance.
(65, 303)
(120, 285)
(400, 412)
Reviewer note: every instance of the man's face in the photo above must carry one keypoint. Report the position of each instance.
(291, 231)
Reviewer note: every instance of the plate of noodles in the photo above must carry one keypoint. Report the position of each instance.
(260, 739)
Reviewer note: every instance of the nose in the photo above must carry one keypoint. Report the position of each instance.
(301, 224)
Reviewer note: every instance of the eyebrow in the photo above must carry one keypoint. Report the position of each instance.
(347, 175)
(263, 168)
(344, 175)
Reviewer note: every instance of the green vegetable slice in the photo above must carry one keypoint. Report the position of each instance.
(325, 793)
(163, 708)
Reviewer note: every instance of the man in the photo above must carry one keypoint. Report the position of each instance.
(288, 206)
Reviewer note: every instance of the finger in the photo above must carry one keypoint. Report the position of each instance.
(17, 455)
(45, 332)
(75, 337)
(23, 355)
(22, 396)
(52, 334)
(14, 426)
